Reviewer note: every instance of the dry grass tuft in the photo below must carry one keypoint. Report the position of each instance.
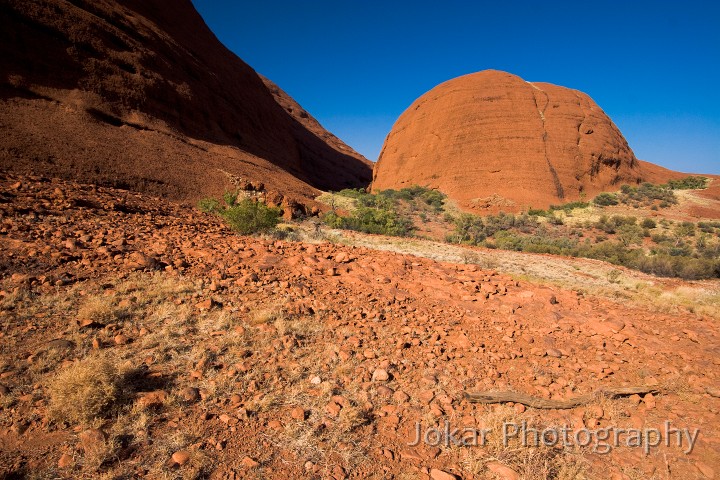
(86, 390)
(101, 309)
(266, 315)
(531, 462)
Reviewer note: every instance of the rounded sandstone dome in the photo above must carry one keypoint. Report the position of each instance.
(492, 141)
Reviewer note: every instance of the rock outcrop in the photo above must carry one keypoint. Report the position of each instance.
(140, 94)
(493, 141)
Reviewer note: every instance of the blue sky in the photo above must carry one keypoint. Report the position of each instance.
(654, 67)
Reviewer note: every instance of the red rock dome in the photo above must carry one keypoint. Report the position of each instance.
(492, 141)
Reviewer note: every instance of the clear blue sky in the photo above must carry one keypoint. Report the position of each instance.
(653, 66)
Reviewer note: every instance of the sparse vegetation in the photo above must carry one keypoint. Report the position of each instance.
(647, 195)
(209, 205)
(371, 220)
(662, 249)
(688, 183)
(388, 212)
(673, 255)
(565, 207)
(248, 216)
(245, 216)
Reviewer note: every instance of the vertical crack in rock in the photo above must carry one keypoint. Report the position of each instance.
(560, 191)
(581, 170)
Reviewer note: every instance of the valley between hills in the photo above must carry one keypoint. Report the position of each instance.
(198, 280)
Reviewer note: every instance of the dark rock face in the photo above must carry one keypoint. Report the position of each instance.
(140, 94)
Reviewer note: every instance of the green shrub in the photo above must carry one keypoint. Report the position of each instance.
(230, 198)
(606, 199)
(209, 205)
(708, 227)
(619, 220)
(568, 207)
(248, 216)
(356, 193)
(647, 194)
(371, 220)
(426, 196)
(630, 234)
(678, 266)
(611, 224)
(648, 223)
(683, 230)
(688, 183)
(380, 213)
(469, 228)
(659, 238)
(536, 212)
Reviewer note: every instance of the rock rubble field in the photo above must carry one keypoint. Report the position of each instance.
(142, 338)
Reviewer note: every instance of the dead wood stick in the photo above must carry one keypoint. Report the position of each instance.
(536, 402)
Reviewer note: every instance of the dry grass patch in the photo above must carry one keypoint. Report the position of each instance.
(101, 309)
(530, 461)
(86, 390)
(265, 315)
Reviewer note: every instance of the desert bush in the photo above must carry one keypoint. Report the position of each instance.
(647, 194)
(209, 205)
(659, 238)
(611, 224)
(537, 212)
(248, 216)
(555, 220)
(688, 183)
(371, 220)
(678, 266)
(537, 243)
(707, 247)
(619, 220)
(86, 390)
(648, 223)
(414, 194)
(709, 227)
(630, 234)
(434, 198)
(469, 229)
(355, 193)
(606, 199)
(568, 207)
(682, 231)
(230, 198)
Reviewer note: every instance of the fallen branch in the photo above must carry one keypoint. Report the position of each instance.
(536, 402)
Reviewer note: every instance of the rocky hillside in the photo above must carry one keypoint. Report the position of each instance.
(141, 339)
(493, 141)
(142, 95)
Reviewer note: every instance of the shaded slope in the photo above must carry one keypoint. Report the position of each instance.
(140, 94)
